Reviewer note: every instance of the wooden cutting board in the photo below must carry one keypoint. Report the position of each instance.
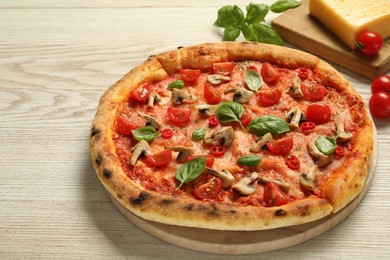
(298, 28)
(247, 242)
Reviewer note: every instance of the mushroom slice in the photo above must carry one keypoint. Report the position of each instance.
(261, 142)
(226, 177)
(206, 109)
(184, 152)
(319, 158)
(247, 185)
(295, 89)
(141, 148)
(223, 136)
(216, 79)
(294, 115)
(150, 120)
(154, 97)
(307, 180)
(341, 135)
(241, 95)
(282, 184)
(180, 96)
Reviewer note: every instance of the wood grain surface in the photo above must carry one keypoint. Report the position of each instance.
(56, 60)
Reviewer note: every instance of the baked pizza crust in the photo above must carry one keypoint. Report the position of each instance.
(172, 209)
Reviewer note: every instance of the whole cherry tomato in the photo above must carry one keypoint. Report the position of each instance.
(318, 113)
(381, 83)
(369, 43)
(379, 105)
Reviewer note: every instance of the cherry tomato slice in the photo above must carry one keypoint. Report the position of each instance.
(160, 159)
(381, 84)
(209, 159)
(178, 115)
(213, 121)
(166, 133)
(308, 125)
(141, 94)
(318, 113)
(209, 190)
(189, 75)
(281, 147)
(293, 162)
(269, 97)
(223, 68)
(303, 73)
(124, 126)
(273, 195)
(252, 67)
(245, 119)
(369, 43)
(339, 152)
(379, 105)
(269, 73)
(313, 92)
(211, 96)
(217, 150)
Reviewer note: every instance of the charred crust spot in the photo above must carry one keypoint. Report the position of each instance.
(142, 197)
(151, 56)
(107, 173)
(232, 211)
(280, 213)
(95, 132)
(202, 52)
(99, 159)
(189, 207)
(167, 201)
(119, 196)
(180, 47)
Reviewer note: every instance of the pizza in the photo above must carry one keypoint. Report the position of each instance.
(232, 136)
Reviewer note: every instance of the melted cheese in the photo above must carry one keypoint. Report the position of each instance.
(349, 18)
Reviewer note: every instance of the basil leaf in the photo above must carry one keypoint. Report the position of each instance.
(176, 84)
(327, 145)
(264, 124)
(231, 33)
(253, 80)
(198, 134)
(283, 5)
(238, 15)
(248, 32)
(226, 17)
(190, 170)
(264, 33)
(147, 133)
(249, 160)
(230, 111)
(256, 13)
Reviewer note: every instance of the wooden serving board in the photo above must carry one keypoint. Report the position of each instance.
(246, 242)
(298, 28)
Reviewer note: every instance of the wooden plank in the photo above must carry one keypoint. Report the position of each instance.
(297, 27)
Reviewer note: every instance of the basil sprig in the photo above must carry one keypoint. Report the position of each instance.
(198, 134)
(176, 84)
(268, 124)
(249, 160)
(252, 25)
(253, 80)
(147, 133)
(229, 112)
(326, 144)
(190, 170)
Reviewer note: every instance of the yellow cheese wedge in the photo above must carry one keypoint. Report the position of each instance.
(349, 18)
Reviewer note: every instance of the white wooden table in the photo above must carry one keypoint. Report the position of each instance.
(56, 59)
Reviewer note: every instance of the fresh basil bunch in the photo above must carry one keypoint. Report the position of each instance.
(252, 25)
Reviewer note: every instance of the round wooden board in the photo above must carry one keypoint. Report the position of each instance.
(247, 242)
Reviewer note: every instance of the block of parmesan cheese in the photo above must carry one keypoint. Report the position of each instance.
(349, 18)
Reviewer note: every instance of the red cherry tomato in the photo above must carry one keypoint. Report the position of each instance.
(293, 162)
(217, 150)
(318, 113)
(212, 97)
(379, 105)
(369, 43)
(178, 115)
(308, 125)
(269, 73)
(209, 159)
(209, 190)
(313, 92)
(160, 159)
(304, 73)
(124, 126)
(141, 94)
(281, 147)
(189, 75)
(273, 195)
(339, 152)
(213, 121)
(381, 83)
(166, 133)
(269, 97)
(245, 119)
(223, 68)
